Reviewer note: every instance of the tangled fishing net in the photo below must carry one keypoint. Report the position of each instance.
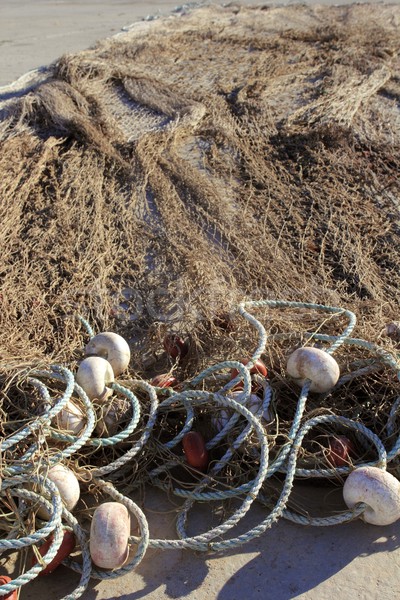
(162, 184)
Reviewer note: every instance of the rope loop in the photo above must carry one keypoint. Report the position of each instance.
(244, 427)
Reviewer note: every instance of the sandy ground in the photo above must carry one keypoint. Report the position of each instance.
(353, 561)
(347, 562)
(37, 32)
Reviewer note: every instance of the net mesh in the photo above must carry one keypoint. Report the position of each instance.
(222, 154)
(153, 183)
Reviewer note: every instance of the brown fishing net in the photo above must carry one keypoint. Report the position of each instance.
(216, 155)
(154, 182)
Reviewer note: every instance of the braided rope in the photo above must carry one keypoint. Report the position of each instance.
(54, 525)
(137, 446)
(115, 439)
(55, 509)
(142, 542)
(48, 415)
(188, 400)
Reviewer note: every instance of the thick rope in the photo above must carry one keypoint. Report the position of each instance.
(20, 475)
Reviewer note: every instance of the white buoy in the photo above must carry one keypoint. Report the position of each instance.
(109, 535)
(378, 489)
(314, 364)
(94, 375)
(113, 347)
(67, 484)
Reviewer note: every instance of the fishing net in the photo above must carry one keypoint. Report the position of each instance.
(223, 154)
(158, 181)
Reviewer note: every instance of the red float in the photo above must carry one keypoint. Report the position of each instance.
(258, 368)
(195, 450)
(164, 381)
(175, 346)
(256, 388)
(67, 546)
(12, 595)
(340, 451)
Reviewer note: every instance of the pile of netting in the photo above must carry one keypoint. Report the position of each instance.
(253, 455)
(151, 184)
(218, 155)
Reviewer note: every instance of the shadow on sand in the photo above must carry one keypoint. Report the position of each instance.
(285, 562)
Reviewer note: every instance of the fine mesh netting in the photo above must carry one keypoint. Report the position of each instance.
(153, 182)
(216, 186)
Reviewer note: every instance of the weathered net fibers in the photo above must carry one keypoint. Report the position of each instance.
(218, 155)
(153, 184)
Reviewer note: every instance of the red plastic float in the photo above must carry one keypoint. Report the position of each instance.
(67, 546)
(340, 451)
(175, 346)
(164, 381)
(258, 368)
(12, 595)
(195, 450)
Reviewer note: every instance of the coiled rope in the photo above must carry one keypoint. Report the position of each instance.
(18, 476)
